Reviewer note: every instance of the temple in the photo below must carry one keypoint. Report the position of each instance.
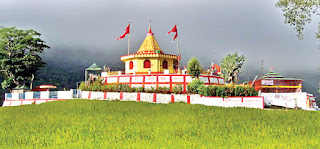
(275, 83)
(151, 67)
(150, 59)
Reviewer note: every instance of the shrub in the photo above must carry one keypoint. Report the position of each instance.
(123, 87)
(230, 90)
(140, 89)
(227, 91)
(196, 86)
(83, 86)
(159, 90)
(151, 90)
(207, 91)
(177, 89)
(132, 89)
(220, 91)
(163, 90)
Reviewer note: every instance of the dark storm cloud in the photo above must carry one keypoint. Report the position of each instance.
(250, 27)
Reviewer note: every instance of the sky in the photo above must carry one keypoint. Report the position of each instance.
(252, 28)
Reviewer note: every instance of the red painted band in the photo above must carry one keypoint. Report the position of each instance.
(138, 96)
(172, 98)
(105, 95)
(154, 97)
(121, 95)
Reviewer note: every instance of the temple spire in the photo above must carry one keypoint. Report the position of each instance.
(150, 31)
(150, 27)
(150, 44)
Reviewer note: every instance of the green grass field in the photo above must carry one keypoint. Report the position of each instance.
(115, 124)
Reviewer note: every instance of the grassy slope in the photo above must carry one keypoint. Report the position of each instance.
(84, 123)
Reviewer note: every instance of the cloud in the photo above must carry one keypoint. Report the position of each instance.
(250, 27)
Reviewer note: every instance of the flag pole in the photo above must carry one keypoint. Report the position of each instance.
(129, 39)
(129, 44)
(178, 47)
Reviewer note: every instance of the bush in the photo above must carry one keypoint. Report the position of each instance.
(140, 89)
(228, 91)
(220, 91)
(177, 89)
(163, 90)
(207, 91)
(151, 90)
(196, 86)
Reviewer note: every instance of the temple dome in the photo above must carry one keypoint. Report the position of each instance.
(150, 44)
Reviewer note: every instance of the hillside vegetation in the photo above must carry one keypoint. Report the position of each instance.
(114, 124)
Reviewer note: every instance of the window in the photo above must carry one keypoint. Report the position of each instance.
(147, 64)
(165, 65)
(131, 65)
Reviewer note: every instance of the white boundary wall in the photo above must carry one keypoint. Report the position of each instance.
(291, 100)
(249, 102)
(10, 103)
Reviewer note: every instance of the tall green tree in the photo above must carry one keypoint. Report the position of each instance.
(193, 68)
(20, 56)
(231, 67)
(298, 13)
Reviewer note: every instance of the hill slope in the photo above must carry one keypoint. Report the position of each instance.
(112, 124)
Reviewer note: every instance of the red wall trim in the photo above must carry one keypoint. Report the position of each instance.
(154, 97)
(105, 95)
(138, 96)
(172, 98)
(89, 95)
(121, 95)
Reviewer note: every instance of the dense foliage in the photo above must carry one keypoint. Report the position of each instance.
(20, 56)
(195, 87)
(231, 66)
(97, 86)
(115, 124)
(228, 91)
(193, 68)
(177, 89)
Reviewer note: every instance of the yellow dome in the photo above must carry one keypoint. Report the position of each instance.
(150, 44)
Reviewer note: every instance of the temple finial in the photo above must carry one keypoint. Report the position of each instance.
(271, 69)
(150, 27)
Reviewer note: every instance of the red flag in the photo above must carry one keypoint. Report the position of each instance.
(179, 57)
(127, 31)
(174, 30)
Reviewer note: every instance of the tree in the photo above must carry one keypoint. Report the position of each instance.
(231, 67)
(298, 13)
(20, 56)
(194, 68)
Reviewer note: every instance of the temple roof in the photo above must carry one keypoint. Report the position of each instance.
(276, 76)
(94, 67)
(150, 44)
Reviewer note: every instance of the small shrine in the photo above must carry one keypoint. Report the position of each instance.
(92, 72)
(275, 83)
(150, 59)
